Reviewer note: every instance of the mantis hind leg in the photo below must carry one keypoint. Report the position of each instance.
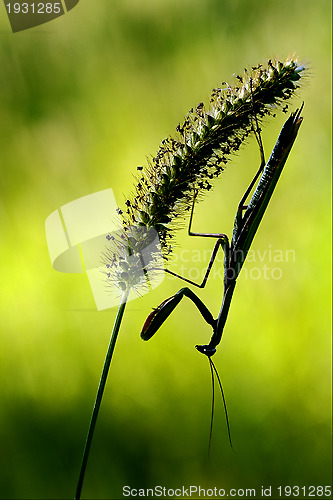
(224, 243)
(222, 240)
(257, 133)
(220, 236)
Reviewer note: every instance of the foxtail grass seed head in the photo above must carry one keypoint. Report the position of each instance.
(191, 161)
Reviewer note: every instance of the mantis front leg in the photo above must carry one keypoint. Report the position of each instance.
(163, 311)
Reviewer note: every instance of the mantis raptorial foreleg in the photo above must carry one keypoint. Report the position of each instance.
(163, 311)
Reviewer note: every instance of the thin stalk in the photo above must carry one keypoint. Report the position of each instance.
(100, 391)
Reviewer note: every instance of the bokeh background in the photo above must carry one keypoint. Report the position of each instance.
(83, 101)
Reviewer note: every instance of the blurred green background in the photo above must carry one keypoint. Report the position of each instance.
(83, 100)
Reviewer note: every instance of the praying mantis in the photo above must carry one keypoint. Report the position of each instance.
(247, 220)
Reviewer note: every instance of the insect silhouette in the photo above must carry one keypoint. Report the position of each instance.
(247, 220)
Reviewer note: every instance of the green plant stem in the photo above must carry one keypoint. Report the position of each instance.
(100, 391)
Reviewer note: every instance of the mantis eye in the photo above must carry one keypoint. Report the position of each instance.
(206, 349)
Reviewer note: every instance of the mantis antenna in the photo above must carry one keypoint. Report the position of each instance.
(212, 370)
